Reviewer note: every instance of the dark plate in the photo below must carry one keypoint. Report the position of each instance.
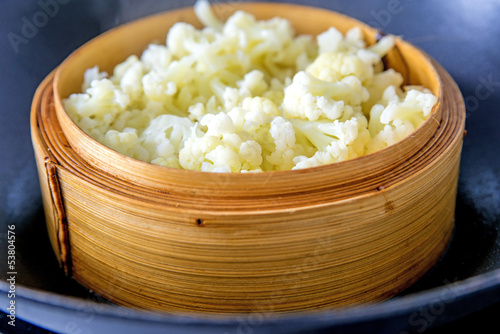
(462, 290)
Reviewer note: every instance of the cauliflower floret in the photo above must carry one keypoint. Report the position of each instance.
(340, 57)
(378, 85)
(270, 46)
(335, 141)
(120, 69)
(254, 83)
(390, 134)
(253, 113)
(156, 57)
(205, 14)
(131, 81)
(354, 38)
(413, 106)
(311, 98)
(126, 142)
(197, 111)
(267, 36)
(383, 45)
(90, 75)
(329, 40)
(334, 66)
(183, 39)
(396, 116)
(101, 99)
(220, 149)
(276, 90)
(335, 152)
(229, 97)
(254, 119)
(166, 134)
(332, 40)
(157, 86)
(285, 150)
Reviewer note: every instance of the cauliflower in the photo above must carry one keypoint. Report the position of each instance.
(285, 146)
(253, 113)
(378, 84)
(206, 16)
(165, 136)
(157, 86)
(156, 57)
(220, 149)
(96, 109)
(91, 75)
(126, 143)
(254, 83)
(396, 116)
(335, 141)
(311, 98)
(334, 66)
(248, 95)
(332, 40)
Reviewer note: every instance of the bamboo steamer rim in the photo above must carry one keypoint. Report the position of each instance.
(271, 183)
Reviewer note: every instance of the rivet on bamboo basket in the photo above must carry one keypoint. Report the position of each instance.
(182, 241)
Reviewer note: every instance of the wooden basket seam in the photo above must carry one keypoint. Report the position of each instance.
(60, 216)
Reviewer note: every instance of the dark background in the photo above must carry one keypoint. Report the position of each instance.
(463, 35)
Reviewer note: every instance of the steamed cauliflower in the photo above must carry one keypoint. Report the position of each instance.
(248, 95)
(345, 138)
(220, 149)
(396, 116)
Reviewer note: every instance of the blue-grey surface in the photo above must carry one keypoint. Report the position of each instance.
(462, 35)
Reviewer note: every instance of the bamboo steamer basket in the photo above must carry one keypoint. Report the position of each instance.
(162, 239)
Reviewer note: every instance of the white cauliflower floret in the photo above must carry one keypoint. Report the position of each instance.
(197, 111)
(156, 57)
(126, 142)
(396, 116)
(332, 40)
(383, 45)
(340, 57)
(378, 84)
(164, 131)
(253, 113)
(229, 97)
(220, 149)
(311, 98)
(329, 40)
(205, 14)
(120, 69)
(413, 106)
(179, 38)
(335, 141)
(268, 36)
(100, 99)
(354, 37)
(90, 75)
(269, 46)
(390, 134)
(183, 39)
(283, 134)
(276, 90)
(131, 81)
(335, 152)
(157, 86)
(334, 66)
(254, 83)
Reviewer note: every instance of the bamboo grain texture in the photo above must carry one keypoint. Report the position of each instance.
(155, 238)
